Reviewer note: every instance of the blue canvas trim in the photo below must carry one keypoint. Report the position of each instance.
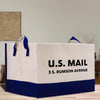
(52, 89)
(6, 64)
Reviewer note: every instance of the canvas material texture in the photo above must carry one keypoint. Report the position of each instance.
(35, 68)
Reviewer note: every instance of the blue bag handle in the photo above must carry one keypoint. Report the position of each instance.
(25, 44)
(73, 38)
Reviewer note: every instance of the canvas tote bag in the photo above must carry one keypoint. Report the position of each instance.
(49, 69)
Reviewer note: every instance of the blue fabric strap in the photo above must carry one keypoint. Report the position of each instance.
(25, 44)
(15, 50)
(73, 38)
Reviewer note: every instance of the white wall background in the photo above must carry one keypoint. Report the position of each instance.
(55, 20)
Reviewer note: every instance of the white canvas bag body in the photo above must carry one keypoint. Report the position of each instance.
(49, 69)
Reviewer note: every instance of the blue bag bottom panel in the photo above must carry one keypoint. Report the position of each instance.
(52, 89)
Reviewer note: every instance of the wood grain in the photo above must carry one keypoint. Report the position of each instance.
(10, 25)
(97, 78)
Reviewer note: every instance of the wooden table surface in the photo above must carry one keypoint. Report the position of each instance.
(82, 96)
